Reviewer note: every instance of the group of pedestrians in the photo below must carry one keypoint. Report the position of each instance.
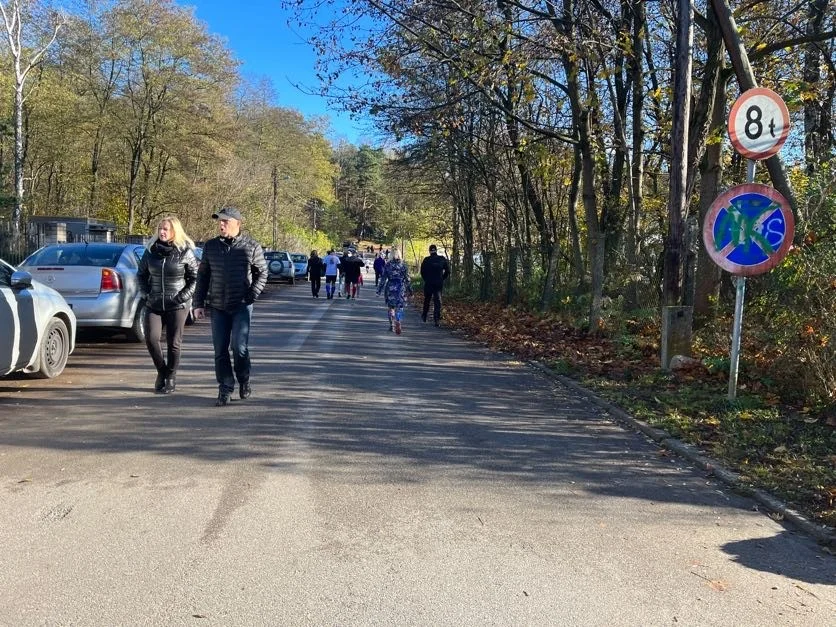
(229, 278)
(332, 266)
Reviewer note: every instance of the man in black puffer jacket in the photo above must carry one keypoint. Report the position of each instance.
(434, 271)
(231, 276)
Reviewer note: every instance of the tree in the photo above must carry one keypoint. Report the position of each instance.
(22, 33)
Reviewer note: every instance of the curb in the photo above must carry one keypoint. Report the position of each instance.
(823, 535)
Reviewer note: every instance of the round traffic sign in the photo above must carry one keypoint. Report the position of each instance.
(759, 123)
(749, 229)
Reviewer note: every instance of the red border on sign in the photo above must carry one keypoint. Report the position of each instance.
(723, 201)
(735, 140)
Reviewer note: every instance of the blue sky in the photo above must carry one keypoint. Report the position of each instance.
(257, 33)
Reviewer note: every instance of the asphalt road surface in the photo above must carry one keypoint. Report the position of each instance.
(372, 479)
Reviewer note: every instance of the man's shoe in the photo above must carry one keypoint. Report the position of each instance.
(435, 322)
(244, 391)
(423, 317)
(223, 399)
(170, 384)
(159, 383)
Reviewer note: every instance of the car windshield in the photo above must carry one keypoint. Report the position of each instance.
(299, 257)
(101, 255)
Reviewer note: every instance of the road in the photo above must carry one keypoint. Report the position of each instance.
(372, 479)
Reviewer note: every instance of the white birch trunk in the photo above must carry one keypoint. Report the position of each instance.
(13, 22)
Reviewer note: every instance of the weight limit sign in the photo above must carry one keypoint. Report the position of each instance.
(749, 229)
(759, 123)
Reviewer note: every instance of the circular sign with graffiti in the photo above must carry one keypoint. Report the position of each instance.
(749, 229)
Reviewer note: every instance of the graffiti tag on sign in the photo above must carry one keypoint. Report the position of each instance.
(749, 229)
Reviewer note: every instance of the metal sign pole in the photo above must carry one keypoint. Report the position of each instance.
(740, 283)
(740, 293)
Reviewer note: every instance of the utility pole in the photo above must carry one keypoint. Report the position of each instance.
(273, 206)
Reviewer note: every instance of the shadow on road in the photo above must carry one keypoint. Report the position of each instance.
(361, 405)
(759, 554)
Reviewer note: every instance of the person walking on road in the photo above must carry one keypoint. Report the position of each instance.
(379, 264)
(396, 288)
(351, 267)
(434, 271)
(231, 276)
(167, 277)
(332, 271)
(315, 270)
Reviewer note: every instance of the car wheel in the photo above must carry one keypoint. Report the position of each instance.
(275, 266)
(54, 349)
(137, 331)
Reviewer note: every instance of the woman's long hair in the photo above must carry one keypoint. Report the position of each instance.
(180, 239)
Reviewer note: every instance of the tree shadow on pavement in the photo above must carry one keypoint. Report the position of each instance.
(760, 554)
(355, 404)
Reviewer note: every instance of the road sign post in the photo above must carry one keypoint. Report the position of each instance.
(748, 231)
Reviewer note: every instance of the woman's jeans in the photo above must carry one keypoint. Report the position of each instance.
(173, 320)
(231, 329)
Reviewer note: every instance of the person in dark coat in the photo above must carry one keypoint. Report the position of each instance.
(379, 264)
(316, 268)
(434, 271)
(351, 266)
(167, 276)
(231, 276)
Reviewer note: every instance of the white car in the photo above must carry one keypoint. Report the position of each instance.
(280, 266)
(38, 325)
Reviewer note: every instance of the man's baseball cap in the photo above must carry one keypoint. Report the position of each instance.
(433, 247)
(228, 213)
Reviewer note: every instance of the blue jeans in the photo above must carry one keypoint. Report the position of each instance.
(231, 329)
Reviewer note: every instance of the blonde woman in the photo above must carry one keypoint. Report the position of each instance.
(167, 277)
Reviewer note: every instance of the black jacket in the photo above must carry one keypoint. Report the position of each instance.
(167, 276)
(316, 268)
(434, 270)
(350, 267)
(232, 273)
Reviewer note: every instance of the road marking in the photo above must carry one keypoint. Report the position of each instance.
(295, 342)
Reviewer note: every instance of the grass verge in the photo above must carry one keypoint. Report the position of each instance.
(787, 450)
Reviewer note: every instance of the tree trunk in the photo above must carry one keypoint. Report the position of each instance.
(746, 80)
(574, 231)
(639, 18)
(674, 240)
(17, 210)
(817, 122)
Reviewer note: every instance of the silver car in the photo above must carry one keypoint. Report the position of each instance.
(97, 279)
(300, 265)
(38, 326)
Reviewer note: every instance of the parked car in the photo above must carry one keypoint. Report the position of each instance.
(280, 267)
(38, 325)
(97, 279)
(300, 265)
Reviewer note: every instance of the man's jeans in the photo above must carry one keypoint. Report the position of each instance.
(231, 329)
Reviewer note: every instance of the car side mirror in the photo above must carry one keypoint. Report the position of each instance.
(21, 280)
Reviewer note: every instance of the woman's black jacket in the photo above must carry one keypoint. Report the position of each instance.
(167, 276)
